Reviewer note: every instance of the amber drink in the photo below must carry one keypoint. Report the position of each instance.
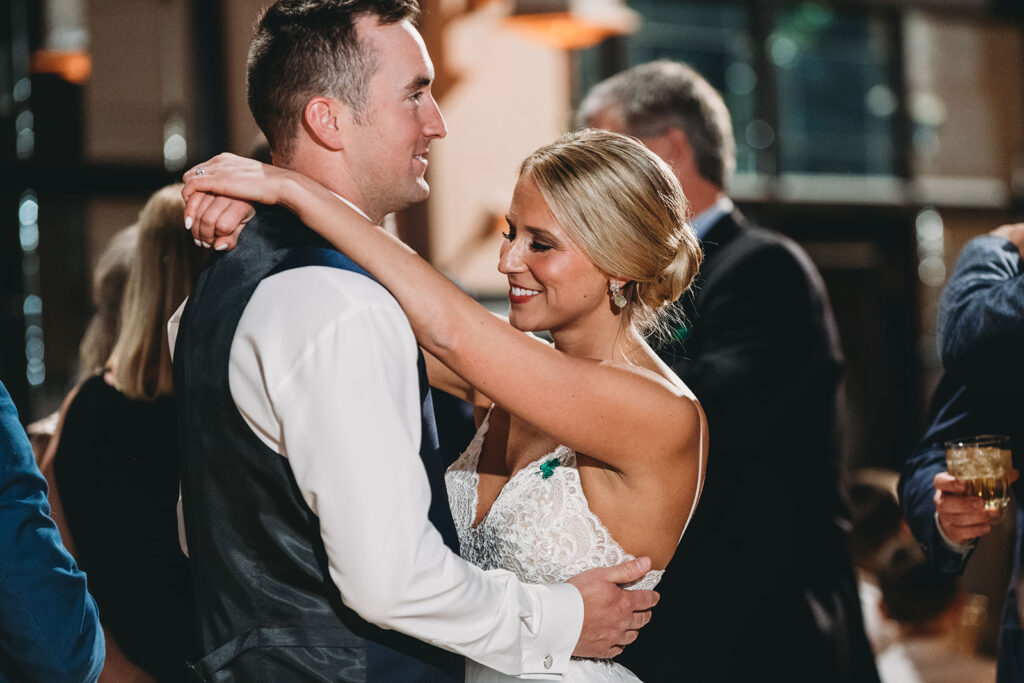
(983, 463)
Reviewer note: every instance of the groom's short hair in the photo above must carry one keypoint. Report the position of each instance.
(306, 48)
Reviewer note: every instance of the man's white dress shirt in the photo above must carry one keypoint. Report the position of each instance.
(323, 368)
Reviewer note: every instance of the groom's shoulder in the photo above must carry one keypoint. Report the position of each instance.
(315, 296)
(314, 307)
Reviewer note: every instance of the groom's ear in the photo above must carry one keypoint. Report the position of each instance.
(323, 120)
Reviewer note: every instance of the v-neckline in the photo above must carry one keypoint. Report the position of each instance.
(485, 427)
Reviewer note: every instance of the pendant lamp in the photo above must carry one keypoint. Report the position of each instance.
(572, 24)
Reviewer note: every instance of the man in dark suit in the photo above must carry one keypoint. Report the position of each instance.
(981, 328)
(762, 585)
(49, 627)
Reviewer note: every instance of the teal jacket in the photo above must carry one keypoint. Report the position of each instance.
(49, 626)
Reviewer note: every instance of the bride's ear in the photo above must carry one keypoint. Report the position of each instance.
(323, 120)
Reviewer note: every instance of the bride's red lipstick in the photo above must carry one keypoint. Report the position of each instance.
(520, 295)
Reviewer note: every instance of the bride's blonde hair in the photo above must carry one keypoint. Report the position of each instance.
(622, 206)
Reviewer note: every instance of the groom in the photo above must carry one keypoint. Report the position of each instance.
(313, 501)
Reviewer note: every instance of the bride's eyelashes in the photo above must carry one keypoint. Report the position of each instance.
(535, 245)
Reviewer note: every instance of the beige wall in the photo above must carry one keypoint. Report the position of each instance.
(964, 80)
(141, 76)
(509, 97)
(239, 17)
(142, 73)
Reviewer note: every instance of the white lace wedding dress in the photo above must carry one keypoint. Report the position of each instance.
(541, 528)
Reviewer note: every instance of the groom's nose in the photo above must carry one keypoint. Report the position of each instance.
(433, 122)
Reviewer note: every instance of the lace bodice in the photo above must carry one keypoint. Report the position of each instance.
(540, 527)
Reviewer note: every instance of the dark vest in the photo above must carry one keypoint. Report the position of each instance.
(266, 608)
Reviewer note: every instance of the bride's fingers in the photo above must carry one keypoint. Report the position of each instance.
(195, 215)
(230, 224)
(205, 227)
(222, 217)
(228, 242)
(193, 205)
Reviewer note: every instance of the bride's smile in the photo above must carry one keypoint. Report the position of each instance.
(552, 282)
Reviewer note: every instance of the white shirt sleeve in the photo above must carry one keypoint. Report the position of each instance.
(342, 405)
(172, 336)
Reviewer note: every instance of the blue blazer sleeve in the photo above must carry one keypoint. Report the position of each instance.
(49, 627)
(951, 416)
(981, 315)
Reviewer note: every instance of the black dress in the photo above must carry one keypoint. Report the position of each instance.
(116, 469)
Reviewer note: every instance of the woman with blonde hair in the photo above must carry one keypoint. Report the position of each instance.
(108, 282)
(116, 462)
(590, 450)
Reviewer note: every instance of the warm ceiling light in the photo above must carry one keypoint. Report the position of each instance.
(572, 24)
(74, 66)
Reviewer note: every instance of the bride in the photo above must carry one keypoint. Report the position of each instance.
(589, 451)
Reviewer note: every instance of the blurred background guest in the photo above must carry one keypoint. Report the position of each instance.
(759, 346)
(116, 462)
(877, 522)
(981, 325)
(108, 282)
(49, 630)
(926, 604)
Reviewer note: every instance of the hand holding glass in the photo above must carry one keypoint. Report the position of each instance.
(984, 465)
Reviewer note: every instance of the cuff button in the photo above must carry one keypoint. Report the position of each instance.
(548, 662)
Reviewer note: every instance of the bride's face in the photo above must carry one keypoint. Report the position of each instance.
(552, 283)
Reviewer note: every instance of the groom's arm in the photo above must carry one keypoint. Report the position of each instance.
(348, 408)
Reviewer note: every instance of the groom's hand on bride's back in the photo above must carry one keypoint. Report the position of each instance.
(612, 616)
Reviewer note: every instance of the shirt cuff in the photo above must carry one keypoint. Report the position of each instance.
(557, 634)
(959, 548)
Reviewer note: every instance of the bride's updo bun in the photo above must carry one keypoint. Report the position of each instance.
(624, 208)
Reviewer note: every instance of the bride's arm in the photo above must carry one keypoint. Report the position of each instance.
(444, 378)
(597, 408)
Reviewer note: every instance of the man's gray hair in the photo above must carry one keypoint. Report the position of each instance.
(654, 97)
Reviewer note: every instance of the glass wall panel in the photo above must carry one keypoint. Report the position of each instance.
(837, 99)
(713, 38)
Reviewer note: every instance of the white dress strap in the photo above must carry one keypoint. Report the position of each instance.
(700, 473)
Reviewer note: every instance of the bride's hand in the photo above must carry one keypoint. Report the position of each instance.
(218, 193)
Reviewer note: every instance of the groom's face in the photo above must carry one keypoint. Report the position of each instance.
(387, 149)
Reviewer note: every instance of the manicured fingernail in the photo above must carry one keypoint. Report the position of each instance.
(198, 243)
(206, 244)
(220, 247)
(188, 222)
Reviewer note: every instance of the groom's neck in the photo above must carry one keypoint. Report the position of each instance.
(333, 174)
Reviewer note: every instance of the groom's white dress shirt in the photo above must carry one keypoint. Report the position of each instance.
(323, 368)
